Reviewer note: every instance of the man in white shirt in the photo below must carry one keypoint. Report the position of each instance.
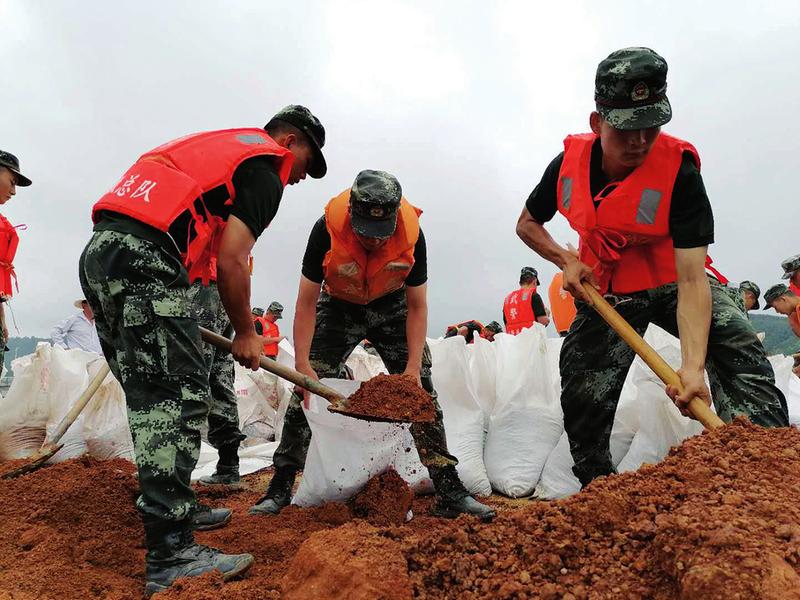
(78, 331)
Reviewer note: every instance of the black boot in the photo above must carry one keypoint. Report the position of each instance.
(279, 493)
(453, 499)
(172, 554)
(227, 472)
(206, 518)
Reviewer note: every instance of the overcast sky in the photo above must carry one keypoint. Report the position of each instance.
(465, 102)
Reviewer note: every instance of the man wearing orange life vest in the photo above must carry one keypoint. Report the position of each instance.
(637, 200)
(10, 180)
(188, 210)
(524, 307)
(562, 304)
(365, 276)
(266, 325)
(791, 271)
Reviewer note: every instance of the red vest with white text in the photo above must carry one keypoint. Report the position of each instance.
(9, 240)
(171, 179)
(518, 311)
(626, 239)
(359, 276)
(269, 329)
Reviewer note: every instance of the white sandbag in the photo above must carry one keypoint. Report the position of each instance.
(463, 417)
(483, 371)
(251, 459)
(345, 453)
(365, 365)
(24, 409)
(793, 400)
(256, 412)
(788, 383)
(105, 421)
(526, 423)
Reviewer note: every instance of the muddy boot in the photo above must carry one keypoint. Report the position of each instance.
(172, 554)
(206, 518)
(452, 498)
(227, 472)
(279, 493)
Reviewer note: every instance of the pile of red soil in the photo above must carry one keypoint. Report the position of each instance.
(396, 397)
(385, 500)
(719, 518)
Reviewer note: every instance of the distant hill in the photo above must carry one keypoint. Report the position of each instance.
(780, 337)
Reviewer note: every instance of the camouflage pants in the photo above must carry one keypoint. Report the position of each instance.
(340, 327)
(223, 416)
(149, 336)
(595, 361)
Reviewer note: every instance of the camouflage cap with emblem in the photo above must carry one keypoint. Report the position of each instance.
(374, 200)
(302, 118)
(630, 89)
(790, 266)
(276, 308)
(773, 293)
(751, 287)
(259, 312)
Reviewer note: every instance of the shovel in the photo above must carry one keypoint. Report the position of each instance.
(51, 445)
(697, 408)
(339, 403)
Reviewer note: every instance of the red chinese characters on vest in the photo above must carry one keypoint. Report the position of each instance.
(518, 310)
(359, 276)
(170, 180)
(9, 240)
(269, 330)
(626, 239)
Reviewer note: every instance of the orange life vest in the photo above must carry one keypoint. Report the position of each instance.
(9, 240)
(518, 311)
(794, 320)
(269, 329)
(562, 304)
(626, 239)
(171, 179)
(359, 276)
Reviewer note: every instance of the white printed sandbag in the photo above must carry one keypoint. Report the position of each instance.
(345, 453)
(483, 370)
(105, 419)
(526, 422)
(463, 417)
(24, 409)
(256, 414)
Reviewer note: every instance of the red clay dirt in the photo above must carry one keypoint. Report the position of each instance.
(717, 519)
(385, 500)
(396, 397)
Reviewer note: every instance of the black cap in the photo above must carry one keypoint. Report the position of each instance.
(11, 162)
(528, 272)
(630, 89)
(374, 200)
(302, 118)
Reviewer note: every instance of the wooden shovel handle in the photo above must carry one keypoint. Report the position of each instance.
(287, 373)
(698, 409)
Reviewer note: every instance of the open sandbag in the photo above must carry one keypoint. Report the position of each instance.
(105, 419)
(483, 371)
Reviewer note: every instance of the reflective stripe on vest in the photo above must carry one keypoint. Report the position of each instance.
(170, 180)
(625, 239)
(518, 310)
(359, 276)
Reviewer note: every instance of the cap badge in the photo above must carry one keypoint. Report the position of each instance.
(376, 212)
(640, 92)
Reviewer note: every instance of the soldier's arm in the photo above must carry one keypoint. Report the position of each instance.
(416, 327)
(233, 279)
(305, 318)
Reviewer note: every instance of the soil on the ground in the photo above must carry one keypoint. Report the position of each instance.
(385, 500)
(719, 518)
(395, 397)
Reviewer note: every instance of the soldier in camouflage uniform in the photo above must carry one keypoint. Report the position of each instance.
(223, 417)
(135, 274)
(388, 307)
(636, 198)
(749, 294)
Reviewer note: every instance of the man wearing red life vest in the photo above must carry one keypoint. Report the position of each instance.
(637, 200)
(10, 179)
(189, 210)
(791, 271)
(524, 307)
(365, 276)
(266, 326)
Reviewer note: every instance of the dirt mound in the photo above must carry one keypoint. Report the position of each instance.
(719, 518)
(385, 500)
(352, 562)
(396, 397)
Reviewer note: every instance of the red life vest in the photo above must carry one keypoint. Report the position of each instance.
(269, 329)
(518, 311)
(359, 276)
(626, 238)
(562, 304)
(794, 288)
(9, 240)
(171, 179)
